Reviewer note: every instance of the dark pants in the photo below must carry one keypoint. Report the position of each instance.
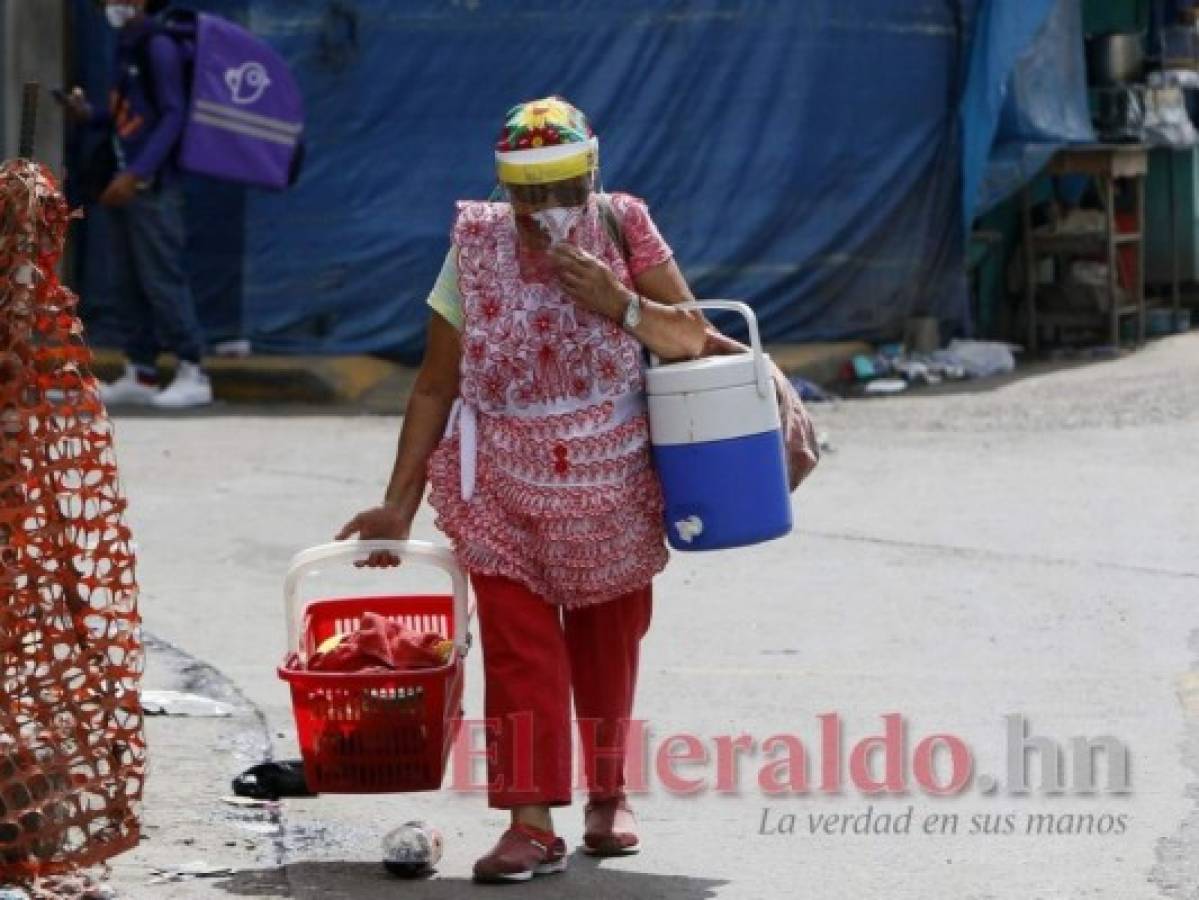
(153, 295)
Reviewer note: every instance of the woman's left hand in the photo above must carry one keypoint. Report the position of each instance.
(589, 281)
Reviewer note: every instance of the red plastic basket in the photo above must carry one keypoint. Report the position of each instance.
(369, 733)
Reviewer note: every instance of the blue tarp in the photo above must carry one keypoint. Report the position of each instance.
(1026, 96)
(803, 156)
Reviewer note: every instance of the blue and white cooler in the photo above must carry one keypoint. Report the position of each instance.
(718, 446)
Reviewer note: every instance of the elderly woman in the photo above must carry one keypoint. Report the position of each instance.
(528, 421)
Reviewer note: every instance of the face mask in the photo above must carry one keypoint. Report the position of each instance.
(120, 15)
(558, 221)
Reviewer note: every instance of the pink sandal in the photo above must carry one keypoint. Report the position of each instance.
(610, 828)
(522, 852)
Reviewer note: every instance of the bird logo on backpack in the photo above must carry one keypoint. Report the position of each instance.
(247, 83)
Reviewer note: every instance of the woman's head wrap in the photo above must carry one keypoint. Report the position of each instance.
(543, 141)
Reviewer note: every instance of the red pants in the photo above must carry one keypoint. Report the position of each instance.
(534, 655)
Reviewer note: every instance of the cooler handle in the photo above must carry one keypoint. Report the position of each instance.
(761, 369)
(306, 561)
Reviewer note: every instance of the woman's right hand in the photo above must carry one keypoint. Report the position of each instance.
(381, 523)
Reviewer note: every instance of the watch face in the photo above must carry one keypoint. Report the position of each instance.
(632, 312)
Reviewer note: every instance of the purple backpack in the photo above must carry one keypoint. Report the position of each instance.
(245, 116)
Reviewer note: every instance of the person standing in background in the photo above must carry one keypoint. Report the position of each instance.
(144, 197)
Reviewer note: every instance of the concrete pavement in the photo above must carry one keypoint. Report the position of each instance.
(959, 557)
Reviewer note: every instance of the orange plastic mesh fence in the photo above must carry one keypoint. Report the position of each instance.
(72, 753)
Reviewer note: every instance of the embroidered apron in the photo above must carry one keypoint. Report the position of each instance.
(544, 473)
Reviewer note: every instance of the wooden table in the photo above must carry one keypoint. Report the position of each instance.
(1107, 164)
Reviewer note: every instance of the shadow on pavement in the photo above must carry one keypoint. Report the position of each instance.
(586, 877)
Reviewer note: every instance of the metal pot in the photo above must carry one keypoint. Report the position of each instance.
(1116, 57)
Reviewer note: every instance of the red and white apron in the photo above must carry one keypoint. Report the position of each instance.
(544, 474)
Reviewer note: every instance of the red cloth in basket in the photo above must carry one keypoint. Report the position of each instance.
(379, 642)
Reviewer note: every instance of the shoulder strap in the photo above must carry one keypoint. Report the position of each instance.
(612, 223)
(145, 68)
(176, 25)
(148, 82)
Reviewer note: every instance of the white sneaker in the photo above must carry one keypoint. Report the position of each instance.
(238, 348)
(191, 387)
(127, 390)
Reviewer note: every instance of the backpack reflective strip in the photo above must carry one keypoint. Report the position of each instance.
(289, 128)
(243, 128)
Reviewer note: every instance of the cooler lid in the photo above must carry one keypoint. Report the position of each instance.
(708, 374)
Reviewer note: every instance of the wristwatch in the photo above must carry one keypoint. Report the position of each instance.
(632, 313)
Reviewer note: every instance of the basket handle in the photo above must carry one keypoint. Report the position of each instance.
(761, 367)
(306, 561)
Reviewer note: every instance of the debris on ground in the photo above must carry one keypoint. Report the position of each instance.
(810, 392)
(188, 871)
(273, 780)
(178, 703)
(893, 368)
(249, 803)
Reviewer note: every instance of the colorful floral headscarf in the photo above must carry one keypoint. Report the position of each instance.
(543, 141)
